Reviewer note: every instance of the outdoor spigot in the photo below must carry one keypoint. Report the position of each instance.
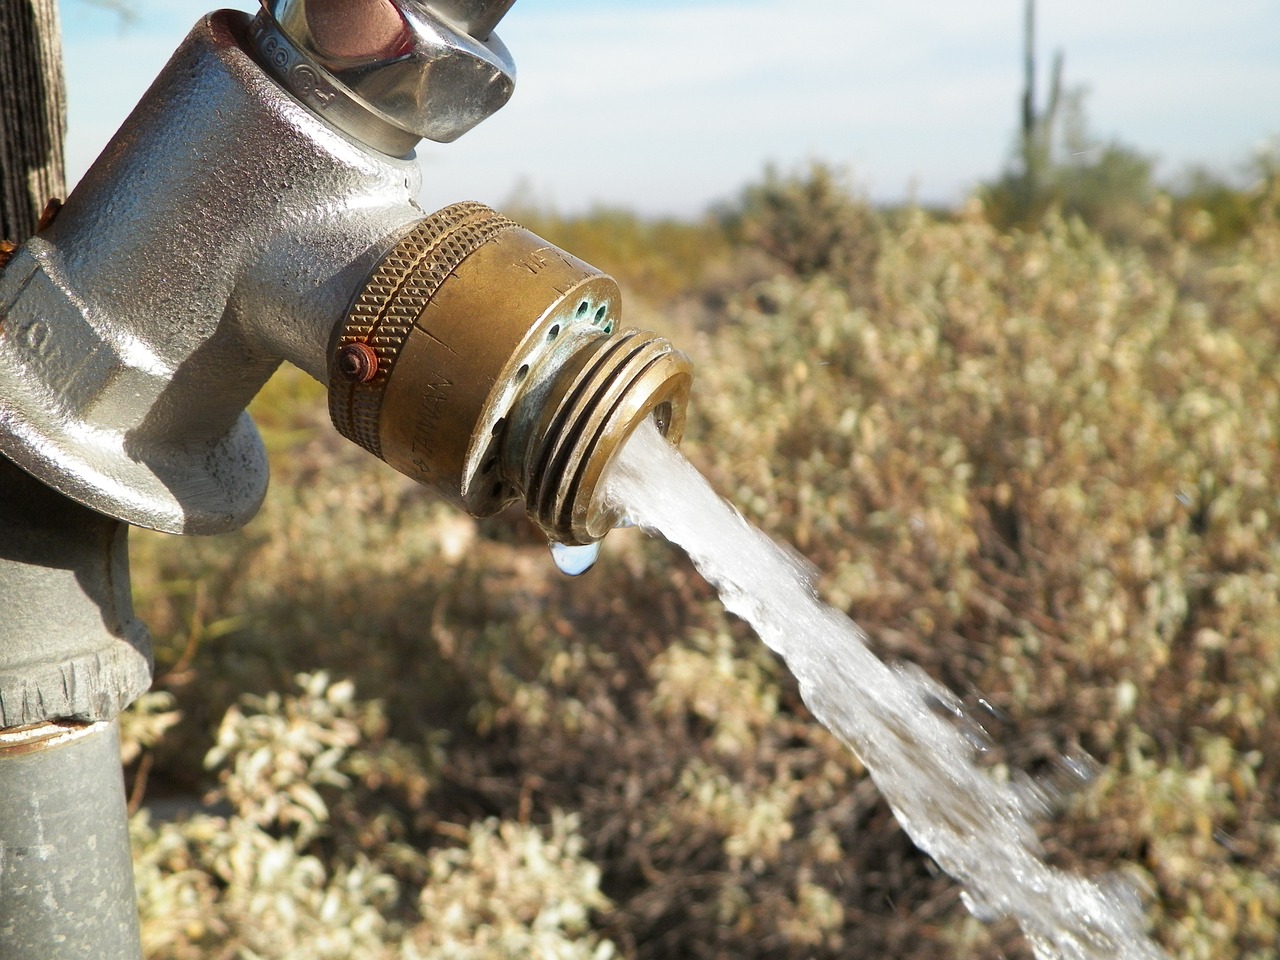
(260, 205)
(256, 207)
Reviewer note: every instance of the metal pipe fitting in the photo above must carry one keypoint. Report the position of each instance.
(70, 645)
(477, 17)
(255, 208)
(67, 889)
(222, 229)
(486, 363)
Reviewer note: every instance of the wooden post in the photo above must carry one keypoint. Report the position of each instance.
(33, 114)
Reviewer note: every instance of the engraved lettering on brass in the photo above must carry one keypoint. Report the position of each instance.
(435, 396)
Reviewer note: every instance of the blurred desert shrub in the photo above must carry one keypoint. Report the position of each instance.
(303, 865)
(655, 259)
(1213, 210)
(809, 222)
(1047, 471)
(1038, 464)
(1108, 185)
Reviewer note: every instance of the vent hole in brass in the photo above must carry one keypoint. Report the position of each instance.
(662, 417)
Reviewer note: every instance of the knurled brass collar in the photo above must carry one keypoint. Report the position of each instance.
(388, 307)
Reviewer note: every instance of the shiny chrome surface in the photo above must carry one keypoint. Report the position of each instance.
(477, 17)
(390, 72)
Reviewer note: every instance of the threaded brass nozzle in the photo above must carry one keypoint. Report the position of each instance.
(486, 363)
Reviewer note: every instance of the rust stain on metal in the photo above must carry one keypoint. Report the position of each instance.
(358, 362)
(37, 737)
(50, 213)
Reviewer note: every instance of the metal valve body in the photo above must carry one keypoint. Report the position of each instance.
(232, 223)
(222, 229)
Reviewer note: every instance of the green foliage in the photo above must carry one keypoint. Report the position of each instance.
(1059, 167)
(1111, 190)
(511, 892)
(1046, 471)
(1038, 464)
(1027, 188)
(1211, 210)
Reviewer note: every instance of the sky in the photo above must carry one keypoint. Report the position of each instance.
(670, 106)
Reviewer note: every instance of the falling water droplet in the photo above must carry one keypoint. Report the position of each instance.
(575, 561)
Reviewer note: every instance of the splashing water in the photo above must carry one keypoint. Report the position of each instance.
(978, 829)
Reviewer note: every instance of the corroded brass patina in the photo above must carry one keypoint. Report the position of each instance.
(501, 373)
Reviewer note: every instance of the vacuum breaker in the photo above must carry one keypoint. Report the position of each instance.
(260, 205)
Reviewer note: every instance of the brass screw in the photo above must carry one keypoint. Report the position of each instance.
(358, 362)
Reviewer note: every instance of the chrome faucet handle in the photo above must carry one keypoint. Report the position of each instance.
(389, 72)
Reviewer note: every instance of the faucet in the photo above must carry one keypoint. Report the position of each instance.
(259, 206)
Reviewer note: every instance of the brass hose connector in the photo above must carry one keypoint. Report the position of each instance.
(487, 363)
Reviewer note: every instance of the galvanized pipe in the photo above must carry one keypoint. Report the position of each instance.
(72, 656)
(66, 873)
(70, 645)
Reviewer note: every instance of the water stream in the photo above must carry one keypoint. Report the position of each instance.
(979, 829)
